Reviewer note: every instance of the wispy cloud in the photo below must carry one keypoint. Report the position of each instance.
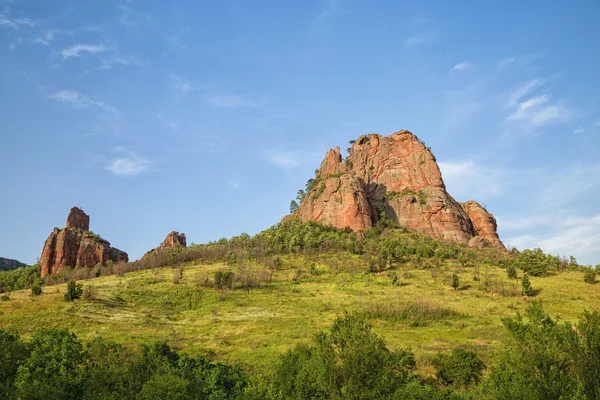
(597, 123)
(330, 9)
(127, 163)
(133, 19)
(15, 23)
(467, 179)
(76, 50)
(234, 184)
(534, 110)
(179, 84)
(283, 160)
(575, 235)
(578, 130)
(461, 66)
(419, 39)
(229, 101)
(78, 100)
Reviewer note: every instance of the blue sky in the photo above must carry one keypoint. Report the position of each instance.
(206, 117)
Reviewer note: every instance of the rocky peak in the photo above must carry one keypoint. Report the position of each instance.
(395, 176)
(173, 240)
(75, 245)
(77, 219)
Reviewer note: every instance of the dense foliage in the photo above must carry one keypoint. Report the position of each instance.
(55, 364)
(547, 359)
(20, 278)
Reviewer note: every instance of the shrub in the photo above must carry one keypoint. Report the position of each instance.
(74, 291)
(36, 289)
(177, 275)
(455, 282)
(511, 271)
(223, 279)
(90, 292)
(526, 288)
(461, 368)
(589, 276)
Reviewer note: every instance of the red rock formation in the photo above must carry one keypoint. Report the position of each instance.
(395, 176)
(173, 240)
(484, 223)
(75, 246)
(78, 219)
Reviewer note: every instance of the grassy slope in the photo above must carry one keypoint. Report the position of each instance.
(254, 328)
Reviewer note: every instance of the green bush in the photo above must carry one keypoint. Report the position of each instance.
(36, 289)
(74, 291)
(455, 282)
(526, 288)
(511, 271)
(462, 368)
(589, 276)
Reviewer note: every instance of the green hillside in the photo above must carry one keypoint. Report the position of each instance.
(248, 300)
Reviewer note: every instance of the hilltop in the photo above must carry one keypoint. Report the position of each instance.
(7, 264)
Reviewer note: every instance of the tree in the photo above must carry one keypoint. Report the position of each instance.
(54, 369)
(12, 353)
(589, 276)
(511, 271)
(293, 206)
(538, 362)
(587, 353)
(462, 368)
(349, 362)
(526, 288)
(74, 291)
(455, 282)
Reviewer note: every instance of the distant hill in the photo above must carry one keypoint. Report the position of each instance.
(7, 264)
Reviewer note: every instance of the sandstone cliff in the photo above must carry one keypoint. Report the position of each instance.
(76, 245)
(395, 176)
(173, 240)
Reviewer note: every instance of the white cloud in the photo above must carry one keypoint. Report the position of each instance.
(516, 95)
(330, 9)
(578, 130)
(467, 179)
(78, 100)
(128, 163)
(572, 236)
(15, 23)
(76, 50)
(461, 66)
(229, 101)
(535, 110)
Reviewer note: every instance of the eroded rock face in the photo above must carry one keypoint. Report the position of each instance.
(75, 246)
(173, 240)
(395, 176)
(484, 223)
(78, 219)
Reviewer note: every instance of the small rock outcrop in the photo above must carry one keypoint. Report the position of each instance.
(75, 245)
(396, 177)
(484, 223)
(173, 240)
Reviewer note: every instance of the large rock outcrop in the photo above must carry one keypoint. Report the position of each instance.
(75, 245)
(173, 240)
(395, 176)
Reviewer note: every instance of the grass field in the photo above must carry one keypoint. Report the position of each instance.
(253, 327)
